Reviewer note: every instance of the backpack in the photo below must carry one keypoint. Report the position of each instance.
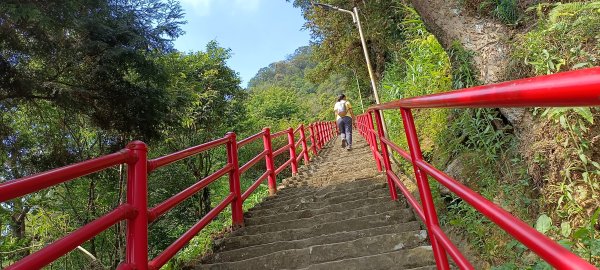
(341, 108)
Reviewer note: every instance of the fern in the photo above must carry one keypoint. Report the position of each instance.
(505, 10)
(565, 10)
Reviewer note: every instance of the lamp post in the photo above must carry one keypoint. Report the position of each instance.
(356, 20)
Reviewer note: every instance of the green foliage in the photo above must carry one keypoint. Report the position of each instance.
(39, 135)
(339, 47)
(89, 57)
(283, 90)
(583, 241)
(565, 38)
(422, 67)
(489, 164)
(474, 130)
(463, 72)
(578, 182)
(276, 107)
(506, 11)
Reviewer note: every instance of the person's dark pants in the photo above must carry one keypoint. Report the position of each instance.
(345, 125)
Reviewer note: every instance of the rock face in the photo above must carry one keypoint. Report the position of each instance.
(336, 214)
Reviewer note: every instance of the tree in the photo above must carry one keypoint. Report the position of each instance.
(339, 47)
(89, 57)
(207, 102)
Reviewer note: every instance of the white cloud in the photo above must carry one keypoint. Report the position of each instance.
(203, 7)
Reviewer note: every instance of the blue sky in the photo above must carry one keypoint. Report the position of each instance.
(258, 32)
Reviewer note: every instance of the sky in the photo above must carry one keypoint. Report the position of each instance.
(258, 32)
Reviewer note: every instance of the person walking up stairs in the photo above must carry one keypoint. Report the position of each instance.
(336, 214)
(344, 118)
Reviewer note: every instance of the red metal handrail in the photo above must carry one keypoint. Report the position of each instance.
(136, 210)
(281, 150)
(565, 89)
(253, 161)
(19, 187)
(250, 139)
(574, 88)
(168, 204)
(168, 159)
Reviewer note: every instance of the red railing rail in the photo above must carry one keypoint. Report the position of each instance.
(574, 88)
(136, 212)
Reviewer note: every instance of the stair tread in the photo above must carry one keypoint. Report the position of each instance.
(262, 249)
(335, 214)
(413, 258)
(301, 207)
(333, 199)
(335, 256)
(250, 221)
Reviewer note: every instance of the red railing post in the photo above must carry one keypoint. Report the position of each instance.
(373, 140)
(270, 164)
(137, 196)
(431, 218)
(304, 146)
(331, 130)
(323, 139)
(292, 142)
(237, 214)
(386, 157)
(319, 136)
(313, 139)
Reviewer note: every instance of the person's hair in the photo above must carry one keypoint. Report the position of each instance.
(340, 97)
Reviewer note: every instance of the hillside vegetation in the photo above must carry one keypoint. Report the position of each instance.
(80, 79)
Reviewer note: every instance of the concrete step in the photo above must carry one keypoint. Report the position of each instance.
(402, 259)
(360, 182)
(383, 205)
(260, 250)
(314, 196)
(311, 203)
(335, 214)
(328, 172)
(236, 240)
(325, 218)
(336, 178)
(329, 252)
(342, 206)
(398, 215)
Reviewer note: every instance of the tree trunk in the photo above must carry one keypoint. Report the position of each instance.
(486, 37)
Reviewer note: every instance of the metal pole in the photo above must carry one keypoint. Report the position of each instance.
(362, 107)
(369, 68)
(137, 192)
(272, 178)
(292, 151)
(386, 158)
(364, 45)
(237, 213)
(431, 218)
(304, 145)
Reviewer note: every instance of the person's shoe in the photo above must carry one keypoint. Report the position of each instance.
(349, 147)
(343, 143)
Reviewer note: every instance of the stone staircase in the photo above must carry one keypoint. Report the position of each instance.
(336, 214)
